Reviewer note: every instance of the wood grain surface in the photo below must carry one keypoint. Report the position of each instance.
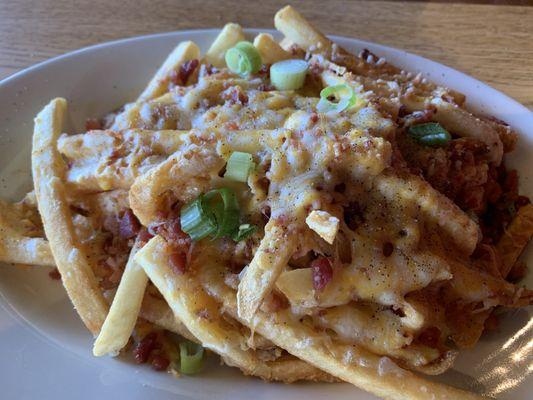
(493, 43)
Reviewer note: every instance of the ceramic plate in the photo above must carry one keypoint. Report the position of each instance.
(46, 351)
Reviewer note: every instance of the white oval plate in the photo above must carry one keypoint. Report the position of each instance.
(101, 78)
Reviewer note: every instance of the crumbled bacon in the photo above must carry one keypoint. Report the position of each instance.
(388, 248)
(235, 95)
(178, 261)
(160, 362)
(314, 118)
(129, 226)
(322, 272)
(93, 124)
(145, 347)
(144, 236)
(353, 215)
(181, 76)
(54, 274)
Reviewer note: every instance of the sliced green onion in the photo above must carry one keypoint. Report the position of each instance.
(197, 220)
(288, 74)
(243, 59)
(239, 166)
(430, 134)
(344, 97)
(226, 213)
(191, 358)
(245, 231)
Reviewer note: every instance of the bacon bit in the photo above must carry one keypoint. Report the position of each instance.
(145, 347)
(178, 262)
(128, 225)
(322, 272)
(314, 118)
(388, 248)
(265, 70)
(180, 77)
(521, 201)
(54, 274)
(493, 190)
(160, 362)
(429, 337)
(232, 126)
(93, 124)
(144, 236)
(235, 95)
(265, 87)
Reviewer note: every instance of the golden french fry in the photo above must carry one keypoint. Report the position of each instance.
(515, 238)
(158, 85)
(25, 250)
(230, 35)
(48, 170)
(298, 30)
(200, 314)
(271, 257)
(271, 52)
(120, 320)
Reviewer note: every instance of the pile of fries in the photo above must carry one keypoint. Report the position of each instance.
(354, 267)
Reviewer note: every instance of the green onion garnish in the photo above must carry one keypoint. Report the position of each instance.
(191, 358)
(343, 97)
(245, 231)
(243, 59)
(226, 213)
(239, 166)
(215, 214)
(430, 134)
(197, 220)
(288, 74)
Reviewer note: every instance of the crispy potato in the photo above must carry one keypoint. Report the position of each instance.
(48, 171)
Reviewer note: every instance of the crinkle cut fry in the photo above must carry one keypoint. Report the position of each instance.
(120, 320)
(442, 211)
(274, 252)
(200, 313)
(515, 238)
(48, 170)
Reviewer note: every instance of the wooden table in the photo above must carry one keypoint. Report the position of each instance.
(493, 43)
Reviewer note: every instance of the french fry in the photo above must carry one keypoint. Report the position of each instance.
(120, 320)
(271, 52)
(200, 314)
(157, 311)
(271, 257)
(298, 30)
(158, 85)
(515, 238)
(48, 170)
(442, 211)
(25, 250)
(230, 35)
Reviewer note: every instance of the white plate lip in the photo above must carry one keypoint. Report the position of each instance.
(108, 44)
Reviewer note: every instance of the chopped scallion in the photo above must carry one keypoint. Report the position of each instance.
(226, 213)
(191, 357)
(336, 98)
(243, 59)
(197, 220)
(430, 134)
(245, 231)
(239, 166)
(288, 74)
